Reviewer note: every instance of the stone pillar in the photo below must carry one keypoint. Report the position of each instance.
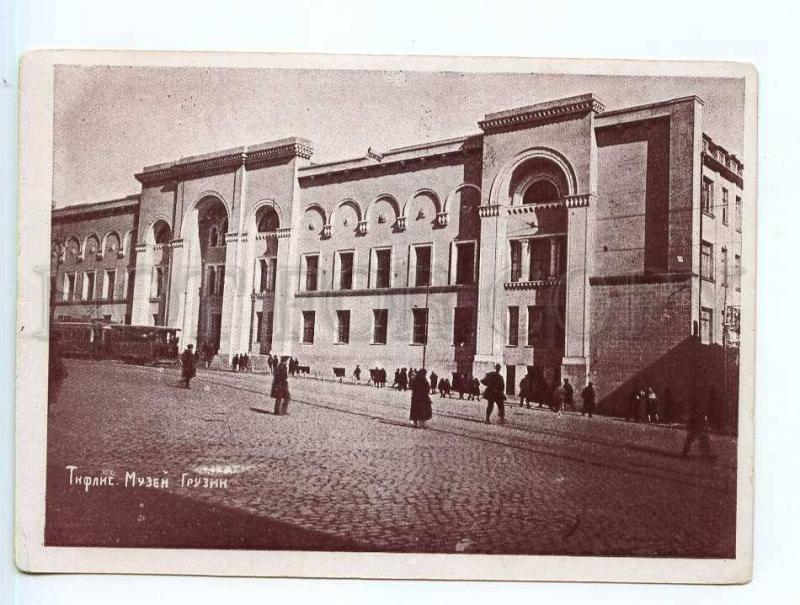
(494, 271)
(228, 342)
(176, 285)
(141, 287)
(285, 287)
(244, 295)
(576, 345)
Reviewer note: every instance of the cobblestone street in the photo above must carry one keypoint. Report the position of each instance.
(157, 465)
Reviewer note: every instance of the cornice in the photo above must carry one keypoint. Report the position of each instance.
(539, 113)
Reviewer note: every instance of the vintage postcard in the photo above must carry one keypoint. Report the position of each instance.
(386, 317)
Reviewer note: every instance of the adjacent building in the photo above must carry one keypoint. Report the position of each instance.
(563, 239)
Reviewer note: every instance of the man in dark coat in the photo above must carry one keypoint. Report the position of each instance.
(434, 382)
(495, 394)
(188, 370)
(697, 428)
(280, 389)
(588, 396)
(235, 363)
(420, 400)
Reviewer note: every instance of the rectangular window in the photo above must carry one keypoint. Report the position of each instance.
(345, 270)
(422, 270)
(540, 259)
(111, 283)
(380, 325)
(516, 260)
(383, 268)
(419, 334)
(707, 196)
(130, 284)
(342, 327)
(312, 268)
(266, 279)
(738, 213)
(724, 266)
(463, 326)
(69, 286)
(211, 280)
(127, 320)
(707, 261)
(259, 325)
(706, 333)
(724, 205)
(220, 279)
(159, 281)
(308, 327)
(535, 326)
(465, 263)
(513, 326)
(88, 285)
(267, 338)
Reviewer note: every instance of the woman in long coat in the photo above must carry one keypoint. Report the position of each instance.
(280, 389)
(420, 400)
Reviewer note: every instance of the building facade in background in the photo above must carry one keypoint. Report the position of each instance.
(564, 239)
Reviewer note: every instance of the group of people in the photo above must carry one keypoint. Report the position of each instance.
(421, 390)
(240, 363)
(494, 392)
(643, 405)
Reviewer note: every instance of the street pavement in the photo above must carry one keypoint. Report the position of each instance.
(153, 464)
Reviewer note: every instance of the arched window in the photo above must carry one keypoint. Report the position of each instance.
(539, 192)
(267, 220)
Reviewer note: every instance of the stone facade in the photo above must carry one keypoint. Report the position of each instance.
(564, 238)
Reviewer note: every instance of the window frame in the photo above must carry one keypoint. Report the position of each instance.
(413, 265)
(342, 314)
(707, 197)
(414, 312)
(709, 313)
(707, 268)
(307, 315)
(512, 320)
(304, 273)
(375, 267)
(725, 202)
(338, 273)
(458, 245)
(374, 340)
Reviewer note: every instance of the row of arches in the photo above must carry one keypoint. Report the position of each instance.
(368, 214)
(112, 245)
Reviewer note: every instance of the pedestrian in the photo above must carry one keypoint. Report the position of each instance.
(396, 383)
(411, 374)
(652, 405)
(57, 370)
(568, 395)
(434, 382)
(269, 363)
(588, 397)
(244, 362)
(280, 389)
(458, 384)
(633, 405)
(235, 363)
(421, 410)
(524, 387)
(443, 386)
(188, 370)
(475, 389)
(697, 428)
(403, 382)
(357, 373)
(495, 393)
(383, 377)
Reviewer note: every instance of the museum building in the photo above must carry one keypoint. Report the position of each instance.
(563, 239)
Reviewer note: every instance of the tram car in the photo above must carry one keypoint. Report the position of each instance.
(134, 344)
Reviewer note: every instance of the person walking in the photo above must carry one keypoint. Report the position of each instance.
(475, 389)
(652, 406)
(421, 410)
(697, 428)
(402, 384)
(495, 394)
(357, 373)
(235, 363)
(434, 382)
(524, 390)
(568, 395)
(188, 370)
(280, 389)
(588, 397)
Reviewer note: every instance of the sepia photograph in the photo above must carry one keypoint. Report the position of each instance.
(495, 312)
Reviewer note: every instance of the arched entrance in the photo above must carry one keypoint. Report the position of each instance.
(205, 230)
(265, 222)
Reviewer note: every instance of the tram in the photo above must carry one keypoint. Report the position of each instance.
(134, 344)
